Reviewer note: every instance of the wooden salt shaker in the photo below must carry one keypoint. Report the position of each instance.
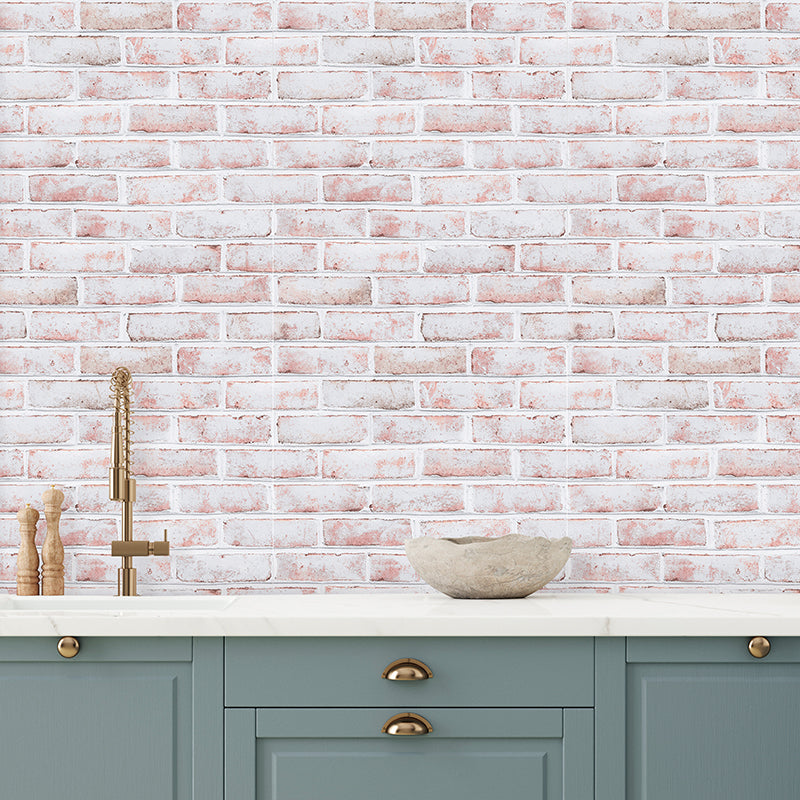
(52, 549)
(27, 558)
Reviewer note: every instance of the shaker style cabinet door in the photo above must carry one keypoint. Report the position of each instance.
(707, 720)
(115, 721)
(471, 754)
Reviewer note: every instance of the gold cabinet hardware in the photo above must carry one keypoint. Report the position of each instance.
(759, 646)
(68, 646)
(407, 724)
(407, 669)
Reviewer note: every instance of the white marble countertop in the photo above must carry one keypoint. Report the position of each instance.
(362, 614)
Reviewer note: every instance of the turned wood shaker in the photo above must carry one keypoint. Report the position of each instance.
(52, 549)
(27, 558)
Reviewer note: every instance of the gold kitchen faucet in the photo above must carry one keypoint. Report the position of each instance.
(122, 487)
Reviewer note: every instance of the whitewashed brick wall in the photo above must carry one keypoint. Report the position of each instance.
(386, 269)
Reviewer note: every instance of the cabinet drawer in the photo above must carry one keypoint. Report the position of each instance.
(491, 672)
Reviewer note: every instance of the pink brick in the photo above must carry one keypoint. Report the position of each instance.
(272, 325)
(317, 567)
(464, 463)
(705, 498)
(127, 289)
(753, 533)
(567, 325)
(275, 49)
(366, 188)
(783, 16)
(709, 85)
(517, 498)
(613, 223)
(49, 120)
(753, 395)
(427, 290)
(320, 222)
(40, 85)
(222, 224)
(665, 257)
(23, 222)
(39, 429)
(272, 257)
(42, 360)
(717, 290)
(74, 326)
(549, 50)
(714, 360)
(614, 567)
(714, 16)
(12, 326)
(467, 394)
(371, 120)
(73, 188)
(274, 394)
(504, 224)
(157, 326)
(757, 189)
(751, 50)
(235, 85)
(270, 188)
(228, 360)
(231, 498)
(322, 16)
(605, 154)
(36, 16)
(650, 532)
(381, 50)
(155, 360)
(275, 465)
(329, 290)
(518, 361)
(417, 224)
(712, 430)
(460, 50)
(322, 429)
(175, 258)
(319, 360)
(101, 50)
(463, 259)
(770, 325)
(551, 394)
(224, 17)
(617, 85)
(466, 118)
(12, 121)
(458, 189)
(383, 394)
(77, 257)
(661, 464)
(125, 16)
(505, 16)
(565, 464)
(122, 224)
(422, 85)
(222, 568)
(657, 188)
(527, 85)
(166, 190)
(783, 428)
(711, 224)
(712, 569)
(662, 394)
(662, 326)
(783, 499)
(225, 289)
(270, 119)
(619, 429)
(617, 361)
(368, 326)
(231, 153)
(566, 188)
(172, 119)
(172, 50)
(12, 257)
(711, 154)
(420, 16)
(758, 463)
(566, 257)
(321, 85)
(616, 16)
(521, 428)
(519, 289)
(759, 118)
(349, 532)
(662, 120)
(372, 256)
(437, 327)
(663, 50)
(430, 498)
(108, 155)
(783, 85)
(615, 498)
(105, 85)
(785, 289)
(421, 153)
(437, 428)
(373, 464)
(575, 119)
(782, 223)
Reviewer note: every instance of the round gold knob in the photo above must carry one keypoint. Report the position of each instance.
(407, 669)
(68, 646)
(759, 646)
(407, 724)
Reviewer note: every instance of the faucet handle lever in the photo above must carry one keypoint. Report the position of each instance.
(159, 548)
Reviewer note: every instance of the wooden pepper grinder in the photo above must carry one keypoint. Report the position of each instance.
(52, 549)
(27, 558)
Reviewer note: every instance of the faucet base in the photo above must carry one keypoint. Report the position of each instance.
(126, 582)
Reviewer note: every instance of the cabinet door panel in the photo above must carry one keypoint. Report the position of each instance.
(713, 731)
(472, 754)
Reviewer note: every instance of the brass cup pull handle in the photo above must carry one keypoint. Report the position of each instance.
(759, 646)
(407, 724)
(407, 669)
(68, 646)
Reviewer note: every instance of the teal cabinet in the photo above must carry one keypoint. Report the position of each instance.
(118, 720)
(705, 719)
(322, 735)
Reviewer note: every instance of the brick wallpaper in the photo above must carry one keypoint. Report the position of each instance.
(389, 269)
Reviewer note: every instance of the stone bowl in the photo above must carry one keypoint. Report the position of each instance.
(476, 567)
